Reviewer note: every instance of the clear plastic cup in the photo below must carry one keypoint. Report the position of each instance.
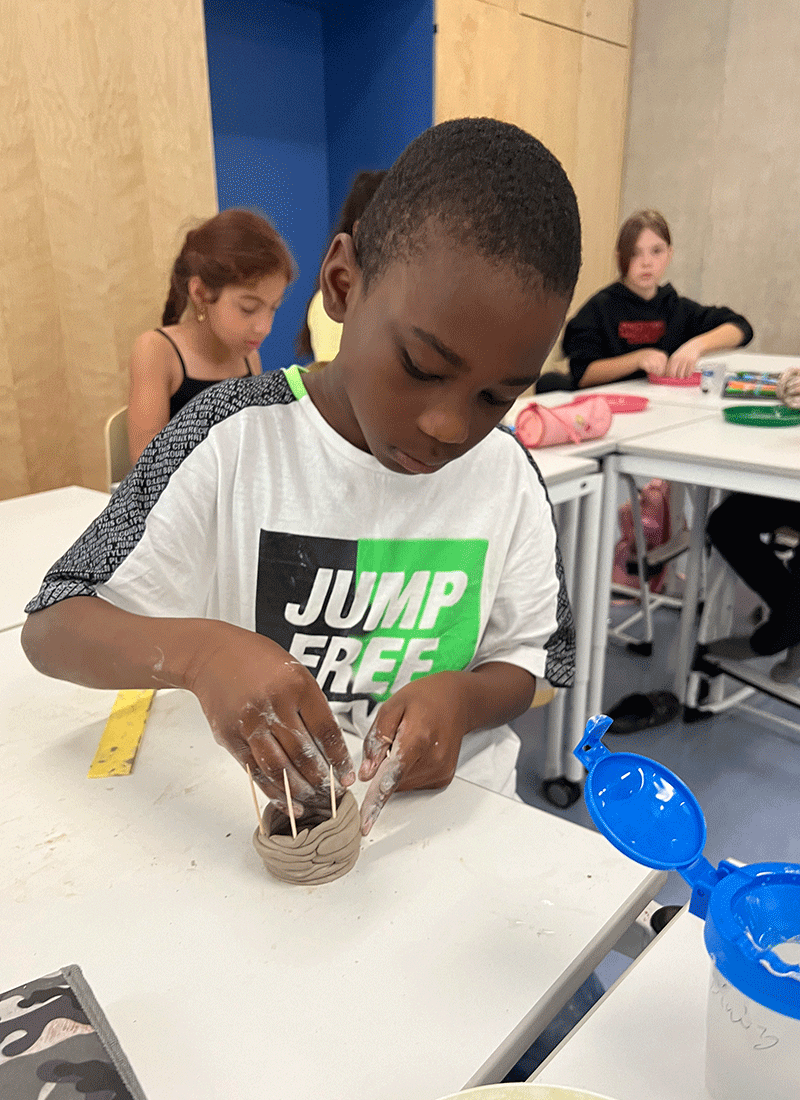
(712, 375)
(753, 1016)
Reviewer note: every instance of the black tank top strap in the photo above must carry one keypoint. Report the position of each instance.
(177, 350)
(189, 387)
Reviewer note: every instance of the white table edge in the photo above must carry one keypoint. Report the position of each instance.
(598, 1005)
(531, 1026)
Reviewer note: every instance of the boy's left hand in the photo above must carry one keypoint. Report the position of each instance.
(415, 739)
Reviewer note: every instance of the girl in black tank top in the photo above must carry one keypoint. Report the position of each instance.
(190, 387)
(225, 287)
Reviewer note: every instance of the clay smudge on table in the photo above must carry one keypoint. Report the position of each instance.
(323, 850)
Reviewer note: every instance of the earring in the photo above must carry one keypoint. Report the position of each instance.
(201, 314)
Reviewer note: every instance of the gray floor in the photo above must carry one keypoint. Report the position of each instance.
(742, 765)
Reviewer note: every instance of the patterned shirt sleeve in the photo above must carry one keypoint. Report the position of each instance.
(116, 532)
(533, 579)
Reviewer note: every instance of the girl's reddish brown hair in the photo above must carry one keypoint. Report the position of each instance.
(235, 246)
(629, 235)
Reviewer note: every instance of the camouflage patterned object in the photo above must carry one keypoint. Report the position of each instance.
(56, 1042)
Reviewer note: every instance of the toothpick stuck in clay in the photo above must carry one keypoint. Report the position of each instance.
(255, 800)
(333, 794)
(323, 849)
(292, 821)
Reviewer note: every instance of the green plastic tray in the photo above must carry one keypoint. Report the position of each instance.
(761, 416)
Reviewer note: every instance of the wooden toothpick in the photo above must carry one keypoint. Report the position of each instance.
(255, 801)
(292, 821)
(333, 794)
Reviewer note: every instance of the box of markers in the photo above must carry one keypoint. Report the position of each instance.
(750, 384)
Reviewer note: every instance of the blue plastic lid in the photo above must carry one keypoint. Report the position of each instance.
(646, 811)
(649, 814)
(753, 921)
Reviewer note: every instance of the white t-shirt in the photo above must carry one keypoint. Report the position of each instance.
(251, 509)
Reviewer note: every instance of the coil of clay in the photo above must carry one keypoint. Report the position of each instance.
(322, 850)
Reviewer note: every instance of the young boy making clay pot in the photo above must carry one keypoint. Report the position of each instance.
(357, 547)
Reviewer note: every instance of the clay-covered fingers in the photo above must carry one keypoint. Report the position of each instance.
(789, 387)
(266, 707)
(273, 758)
(276, 792)
(281, 741)
(377, 745)
(385, 782)
(318, 719)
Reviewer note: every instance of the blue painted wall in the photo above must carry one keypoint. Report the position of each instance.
(303, 96)
(378, 85)
(265, 67)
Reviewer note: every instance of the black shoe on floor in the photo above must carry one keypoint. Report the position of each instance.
(642, 711)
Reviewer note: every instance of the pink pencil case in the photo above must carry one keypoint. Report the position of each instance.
(540, 426)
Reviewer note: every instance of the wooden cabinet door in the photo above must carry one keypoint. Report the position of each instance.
(569, 90)
(609, 19)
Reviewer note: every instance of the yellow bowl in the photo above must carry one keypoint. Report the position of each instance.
(526, 1091)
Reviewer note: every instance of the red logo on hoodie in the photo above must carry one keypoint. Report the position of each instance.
(641, 332)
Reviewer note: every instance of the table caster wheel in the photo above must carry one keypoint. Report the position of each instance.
(661, 918)
(561, 792)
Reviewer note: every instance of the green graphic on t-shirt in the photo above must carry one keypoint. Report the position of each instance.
(423, 611)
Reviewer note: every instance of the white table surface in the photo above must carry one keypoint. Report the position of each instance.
(722, 456)
(468, 921)
(560, 468)
(35, 531)
(645, 1039)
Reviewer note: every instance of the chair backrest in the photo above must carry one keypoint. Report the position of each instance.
(118, 462)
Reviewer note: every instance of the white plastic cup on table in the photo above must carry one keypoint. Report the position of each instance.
(751, 914)
(712, 375)
(753, 1016)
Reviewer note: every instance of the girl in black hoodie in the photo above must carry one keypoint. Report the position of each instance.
(635, 326)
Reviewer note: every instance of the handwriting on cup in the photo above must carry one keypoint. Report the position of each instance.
(734, 1006)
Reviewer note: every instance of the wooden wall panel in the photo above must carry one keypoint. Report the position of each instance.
(105, 150)
(476, 61)
(599, 151)
(33, 409)
(568, 89)
(609, 19)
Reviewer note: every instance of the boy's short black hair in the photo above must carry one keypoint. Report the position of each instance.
(493, 188)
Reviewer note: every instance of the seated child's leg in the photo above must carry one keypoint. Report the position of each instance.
(736, 529)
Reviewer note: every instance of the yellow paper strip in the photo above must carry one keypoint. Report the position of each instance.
(123, 733)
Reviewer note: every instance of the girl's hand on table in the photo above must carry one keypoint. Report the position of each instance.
(652, 361)
(789, 387)
(415, 739)
(268, 711)
(683, 361)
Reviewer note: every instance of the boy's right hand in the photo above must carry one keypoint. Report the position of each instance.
(653, 361)
(267, 710)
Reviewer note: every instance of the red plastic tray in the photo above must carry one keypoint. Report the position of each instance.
(662, 380)
(617, 402)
